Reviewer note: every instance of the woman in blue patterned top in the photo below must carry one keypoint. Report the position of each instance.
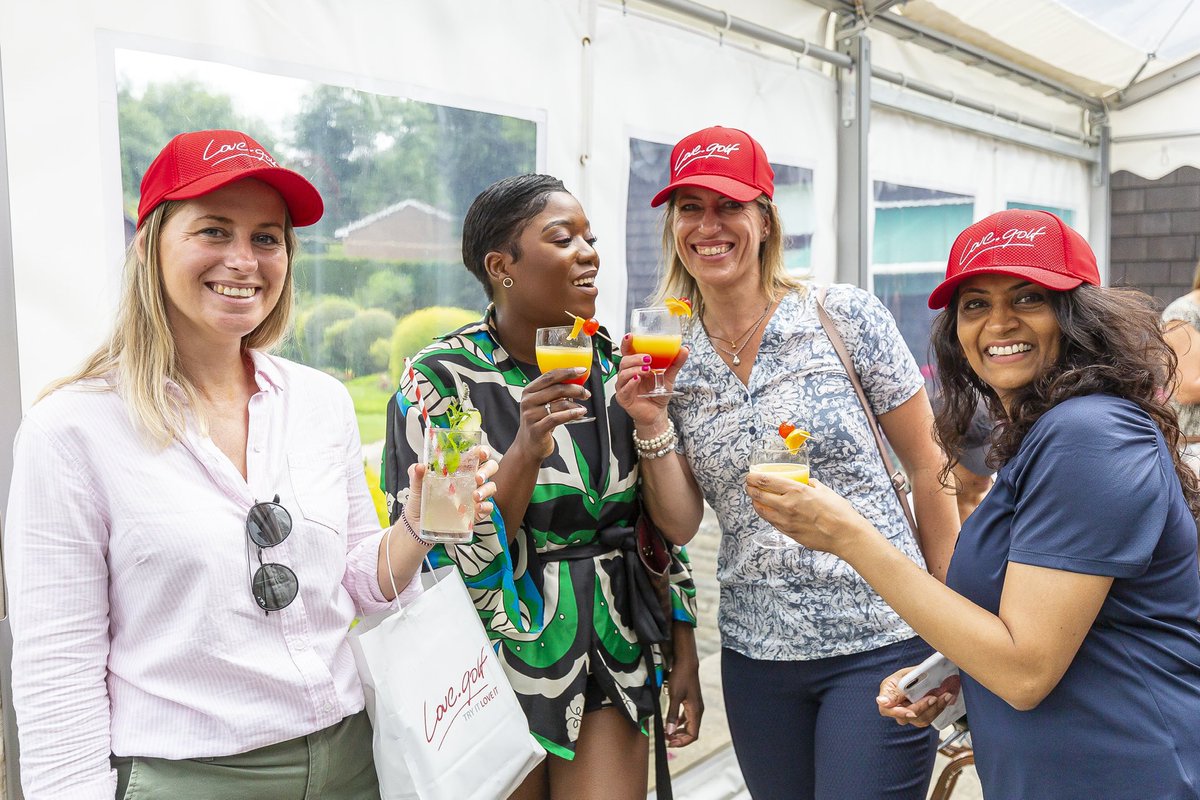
(1072, 600)
(802, 634)
(550, 575)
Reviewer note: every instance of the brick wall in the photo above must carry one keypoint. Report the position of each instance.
(1156, 232)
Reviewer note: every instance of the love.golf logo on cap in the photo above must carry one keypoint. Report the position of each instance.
(714, 150)
(1013, 237)
(217, 153)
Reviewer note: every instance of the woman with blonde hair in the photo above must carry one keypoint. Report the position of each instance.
(190, 533)
(802, 636)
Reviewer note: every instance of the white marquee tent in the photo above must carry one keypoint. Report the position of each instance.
(874, 105)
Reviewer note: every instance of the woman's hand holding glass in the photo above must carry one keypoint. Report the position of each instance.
(646, 410)
(486, 488)
(809, 513)
(549, 400)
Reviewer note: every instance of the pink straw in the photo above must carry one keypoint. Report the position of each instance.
(412, 376)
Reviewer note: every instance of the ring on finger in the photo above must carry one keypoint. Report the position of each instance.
(549, 411)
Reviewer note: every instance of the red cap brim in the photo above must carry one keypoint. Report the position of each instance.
(1049, 279)
(729, 187)
(304, 202)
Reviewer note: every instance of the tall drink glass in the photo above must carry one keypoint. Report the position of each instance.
(447, 493)
(657, 333)
(555, 349)
(781, 463)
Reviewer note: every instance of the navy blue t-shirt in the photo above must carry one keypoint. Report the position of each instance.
(1093, 490)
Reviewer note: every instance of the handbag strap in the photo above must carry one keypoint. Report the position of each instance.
(898, 481)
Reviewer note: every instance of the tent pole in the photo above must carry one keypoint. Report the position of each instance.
(10, 418)
(853, 174)
(1100, 198)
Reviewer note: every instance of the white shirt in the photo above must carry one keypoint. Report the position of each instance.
(134, 628)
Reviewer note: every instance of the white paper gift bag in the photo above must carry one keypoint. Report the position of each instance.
(447, 723)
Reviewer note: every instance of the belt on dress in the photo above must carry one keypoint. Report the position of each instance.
(640, 602)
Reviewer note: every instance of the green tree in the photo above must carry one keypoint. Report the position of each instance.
(390, 291)
(312, 323)
(348, 342)
(419, 329)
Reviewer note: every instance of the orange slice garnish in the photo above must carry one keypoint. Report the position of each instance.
(679, 306)
(576, 328)
(796, 439)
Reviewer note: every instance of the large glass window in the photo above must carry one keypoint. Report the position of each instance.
(1065, 214)
(381, 273)
(914, 229)
(649, 171)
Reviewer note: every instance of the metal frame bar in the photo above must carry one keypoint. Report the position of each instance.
(724, 21)
(853, 168)
(10, 418)
(906, 29)
(1158, 83)
(1100, 200)
(964, 117)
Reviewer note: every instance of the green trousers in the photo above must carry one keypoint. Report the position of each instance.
(331, 764)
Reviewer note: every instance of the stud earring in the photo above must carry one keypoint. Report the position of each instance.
(507, 283)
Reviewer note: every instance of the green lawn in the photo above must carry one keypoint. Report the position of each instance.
(370, 405)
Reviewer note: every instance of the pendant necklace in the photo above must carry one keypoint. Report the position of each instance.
(748, 334)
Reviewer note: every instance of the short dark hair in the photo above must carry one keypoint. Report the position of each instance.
(1111, 342)
(499, 214)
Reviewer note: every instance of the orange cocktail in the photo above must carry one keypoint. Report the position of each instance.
(551, 356)
(661, 347)
(795, 472)
(656, 332)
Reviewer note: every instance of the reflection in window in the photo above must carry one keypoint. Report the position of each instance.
(649, 171)
(397, 176)
(914, 229)
(1067, 215)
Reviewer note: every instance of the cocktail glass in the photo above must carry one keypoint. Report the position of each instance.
(657, 333)
(555, 349)
(451, 460)
(779, 462)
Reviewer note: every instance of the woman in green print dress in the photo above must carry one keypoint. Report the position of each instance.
(547, 573)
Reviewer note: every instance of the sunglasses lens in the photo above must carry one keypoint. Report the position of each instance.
(274, 586)
(268, 524)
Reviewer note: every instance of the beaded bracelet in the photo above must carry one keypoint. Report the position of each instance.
(669, 447)
(649, 445)
(408, 527)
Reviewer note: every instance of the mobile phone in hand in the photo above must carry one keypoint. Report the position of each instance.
(936, 675)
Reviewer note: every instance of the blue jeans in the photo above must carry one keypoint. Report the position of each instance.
(811, 730)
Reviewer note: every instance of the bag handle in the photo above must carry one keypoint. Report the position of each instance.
(899, 482)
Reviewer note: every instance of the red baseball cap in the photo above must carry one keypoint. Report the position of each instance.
(725, 160)
(196, 163)
(1035, 245)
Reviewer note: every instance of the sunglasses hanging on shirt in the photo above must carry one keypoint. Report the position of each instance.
(274, 586)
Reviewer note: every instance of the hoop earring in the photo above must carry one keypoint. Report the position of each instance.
(507, 283)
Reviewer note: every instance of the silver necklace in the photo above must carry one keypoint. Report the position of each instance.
(739, 348)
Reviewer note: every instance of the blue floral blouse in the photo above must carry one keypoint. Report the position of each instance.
(799, 604)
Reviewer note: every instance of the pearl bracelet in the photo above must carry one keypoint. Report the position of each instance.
(408, 527)
(669, 447)
(658, 442)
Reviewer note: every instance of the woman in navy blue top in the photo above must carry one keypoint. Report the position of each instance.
(1072, 598)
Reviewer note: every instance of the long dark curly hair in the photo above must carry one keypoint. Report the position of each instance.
(1111, 343)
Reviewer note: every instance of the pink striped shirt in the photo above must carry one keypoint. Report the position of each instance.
(134, 628)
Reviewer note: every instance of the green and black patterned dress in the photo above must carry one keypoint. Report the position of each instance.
(560, 627)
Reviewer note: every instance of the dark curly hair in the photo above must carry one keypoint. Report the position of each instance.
(1111, 342)
(497, 217)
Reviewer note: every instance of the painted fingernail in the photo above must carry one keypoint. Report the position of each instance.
(881, 699)
(645, 368)
(579, 370)
(646, 359)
